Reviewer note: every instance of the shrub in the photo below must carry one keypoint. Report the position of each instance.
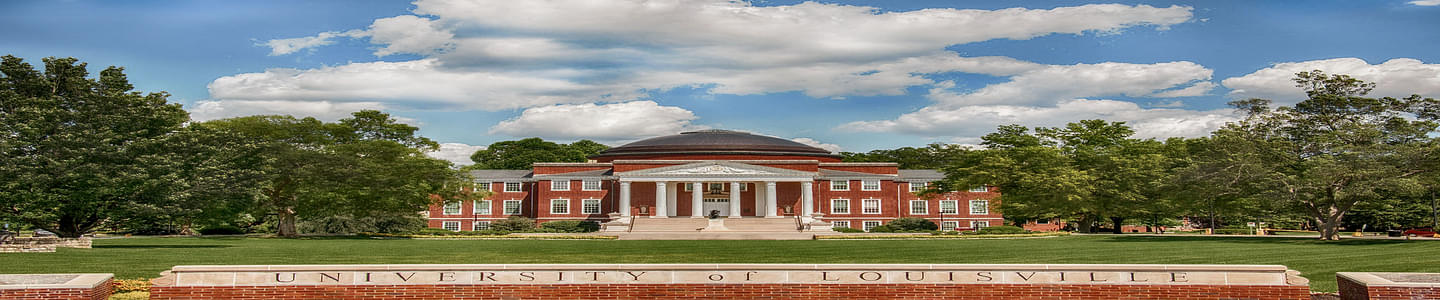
(1000, 230)
(571, 226)
(221, 229)
(131, 285)
(846, 230)
(130, 296)
(912, 224)
(1234, 231)
(435, 231)
(882, 228)
(514, 224)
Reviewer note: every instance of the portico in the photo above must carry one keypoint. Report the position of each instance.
(732, 190)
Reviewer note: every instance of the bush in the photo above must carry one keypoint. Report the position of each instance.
(909, 224)
(345, 224)
(435, 231)
(571, 226)
(846, 230)
(1234, 231)
(882, 228)
(131, 285)
(130, 296)
(514, 224)
(221, 229)
(1000, 230)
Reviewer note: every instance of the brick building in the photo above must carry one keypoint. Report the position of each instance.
(723, 173)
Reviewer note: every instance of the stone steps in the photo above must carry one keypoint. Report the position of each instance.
(703, 235)
(680, 224)
(761, 224)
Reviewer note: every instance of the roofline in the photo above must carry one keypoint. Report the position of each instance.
(859, 164)
(745, 161)
(568, 164)
(712, 152)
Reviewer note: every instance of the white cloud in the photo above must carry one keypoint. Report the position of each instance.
(323, 110)
(1198, 89)
(1425, 2)
(965, 123)
(608, 122)
(1398, 77)
(833, 148)
(1050, 84)
(457, 153)
(292, 45)
(409, 34)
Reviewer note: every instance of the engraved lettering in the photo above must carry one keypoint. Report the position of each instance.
(1178, 277)
(748, 274)
(984, 276)
(825, 276)
(367, 276)
(595, 275)
(634, 276)
(277, 278)
(877, 276)
(403, 278)
(1025, 278)
(1062, 276)
(952, 275)
(336, 278)
(529, 276)
(447, 276)
(562, 276)
(1092, 278)
(907, 276)
(717, 277)
(487, 276)
(1132, 278)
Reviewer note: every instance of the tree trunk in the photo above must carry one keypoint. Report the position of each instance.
(1118, 227)
(1328, 230)
(1087, 224)
(286, 223)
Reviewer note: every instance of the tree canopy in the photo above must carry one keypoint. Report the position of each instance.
(520, 154)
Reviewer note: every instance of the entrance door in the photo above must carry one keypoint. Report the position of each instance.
(717, 204)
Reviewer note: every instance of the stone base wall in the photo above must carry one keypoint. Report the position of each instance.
(100, 292)
(1353, 289)
(43, 244)
(740, 291)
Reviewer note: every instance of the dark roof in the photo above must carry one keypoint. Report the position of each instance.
(837, 174)
(715, 141)
(500, 174)
(921, 175)
(591, 173)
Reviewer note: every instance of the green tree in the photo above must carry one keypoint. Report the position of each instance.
(74, 149)
(933, 156)
(520, 154)
(1328, 154)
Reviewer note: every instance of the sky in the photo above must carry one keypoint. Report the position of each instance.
(841, 75)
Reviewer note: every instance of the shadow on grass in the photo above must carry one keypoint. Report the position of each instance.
(1252, 240)
(158, 246)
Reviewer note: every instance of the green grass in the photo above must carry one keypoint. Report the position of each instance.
(146, 257)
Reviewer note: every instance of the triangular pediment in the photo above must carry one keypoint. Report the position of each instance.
(716, 169)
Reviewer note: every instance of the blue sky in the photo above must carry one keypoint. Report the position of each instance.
(846, 75)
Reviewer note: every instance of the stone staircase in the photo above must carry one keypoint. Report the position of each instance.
(679, 224)
(685, 228)
(786, 224)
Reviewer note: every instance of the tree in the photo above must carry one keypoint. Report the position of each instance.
(520, 154)
(1326, 155)
(933, 156)
(74, 149)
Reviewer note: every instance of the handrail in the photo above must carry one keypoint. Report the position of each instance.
(632, 224)
(799, 226)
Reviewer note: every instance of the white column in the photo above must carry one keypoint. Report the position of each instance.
(770, 200)
(660, 206)
(697, 207)
(759, 199)
(807, 198)
(625, 198)
(734, 199)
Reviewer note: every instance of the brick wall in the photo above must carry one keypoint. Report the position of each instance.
(99, 292)
(739, 291)
(1351, 290)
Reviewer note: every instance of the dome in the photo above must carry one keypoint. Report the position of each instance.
(715, 142)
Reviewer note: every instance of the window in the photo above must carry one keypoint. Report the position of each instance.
(869, 185)
(916, 187)
(452, 208)
(949, 207)
(512, 207)
(744, 187)
(979, 189)
(1042, 221)
(451, 225)
(840, 224)
(839, 206)
(590, 185)
(685, 187)
(919, 207)
(590, 206)
(559, 206)
(512, 187)
(870, 206)
(560, 185)
(979, 224)
(839, 185)
(979, 207)
(482, 186)
(871, 224)
(949, 225)
(481, 225)
(482, 207)
(715, 186)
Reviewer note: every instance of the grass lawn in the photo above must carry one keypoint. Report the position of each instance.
(146, 257)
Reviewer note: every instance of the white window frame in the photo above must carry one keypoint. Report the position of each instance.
(448, 224)
(953, 209)
(519, 207)
(866, 225)
(450, 209)
(985, 208)
(924, 207)
(1042, 221)
(836, 209)
(949, 225)
(916, 187)
(557, 208)
(686, 187)
(476, 225)
(865, 185)
(481, 186)
(590, 185)
(979, 189)
(839, 185)
(979, 224)
(865, 209)
(516, 185)
(744, 187)
(481, 207)
(838, 224)
(585, 205)
(560, 185)
(708, 186)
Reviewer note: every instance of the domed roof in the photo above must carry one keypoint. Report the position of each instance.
(715, 141)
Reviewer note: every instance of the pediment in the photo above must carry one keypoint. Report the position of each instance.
(716, 169)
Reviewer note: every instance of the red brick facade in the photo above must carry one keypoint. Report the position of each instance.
(99, 292)
(1351, 290)
(740, 291)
